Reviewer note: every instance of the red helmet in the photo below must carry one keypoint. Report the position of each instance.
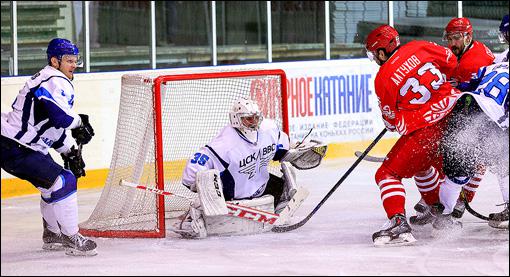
(383, 37)
(459, 25)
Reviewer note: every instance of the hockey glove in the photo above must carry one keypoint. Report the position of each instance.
(84, 133)
(390, 127)
(74, 162)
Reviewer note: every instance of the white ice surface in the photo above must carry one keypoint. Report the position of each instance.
(336, 241)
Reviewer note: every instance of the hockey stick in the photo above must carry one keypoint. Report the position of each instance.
(470, 210)
(233, 209)
(369, 158)
(466, 203)
(286, 228)
(304, 138)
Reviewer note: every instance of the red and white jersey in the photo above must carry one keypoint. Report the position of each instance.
(411, 86)
(476, 56)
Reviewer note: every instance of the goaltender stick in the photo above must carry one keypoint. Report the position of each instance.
(233, 166)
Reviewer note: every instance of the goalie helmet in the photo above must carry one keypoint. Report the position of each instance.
(58, 47)
(245, 116)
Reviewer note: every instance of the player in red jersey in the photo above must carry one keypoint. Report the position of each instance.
(471, 56)
(414, 98)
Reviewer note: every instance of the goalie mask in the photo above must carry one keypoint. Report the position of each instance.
(245, 116)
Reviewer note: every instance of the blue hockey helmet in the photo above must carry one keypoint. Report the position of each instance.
(59, 47)
(503, 30)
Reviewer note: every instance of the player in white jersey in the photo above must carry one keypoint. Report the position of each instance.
(481, 137)
(240, 154)
(503, 38)
(40, 118)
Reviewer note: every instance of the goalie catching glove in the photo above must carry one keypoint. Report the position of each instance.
(306, 155)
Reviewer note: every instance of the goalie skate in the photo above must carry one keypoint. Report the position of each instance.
(396, 232)
(193, 225)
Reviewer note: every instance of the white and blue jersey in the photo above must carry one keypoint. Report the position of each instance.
(502, 57)
(243, 165)
(42, 112)
(491, 92)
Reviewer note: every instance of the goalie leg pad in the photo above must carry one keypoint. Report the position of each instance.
(210, 193)
(225, 225)
(290, 209)
(292, 196)
(289, 186)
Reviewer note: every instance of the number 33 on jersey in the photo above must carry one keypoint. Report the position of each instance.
(412, 89)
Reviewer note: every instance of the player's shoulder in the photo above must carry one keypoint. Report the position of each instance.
(479, 45)
(405, 52)
(418, 44)
(501, 57)
(224, 140)
(479, 51)
(52, 75)
(496, 67)
(269, 125)
(49, 71)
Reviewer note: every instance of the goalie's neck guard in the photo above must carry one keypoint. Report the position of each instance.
(248, 135)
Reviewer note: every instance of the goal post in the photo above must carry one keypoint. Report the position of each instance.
(162, 121)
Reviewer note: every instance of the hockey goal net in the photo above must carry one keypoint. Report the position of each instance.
(162, 121)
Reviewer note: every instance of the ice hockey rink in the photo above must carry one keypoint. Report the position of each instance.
(336, 240)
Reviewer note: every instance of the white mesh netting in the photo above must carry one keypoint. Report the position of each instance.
(192, 112)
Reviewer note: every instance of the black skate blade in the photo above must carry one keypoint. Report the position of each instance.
(53, 246)
(499, 224)
(76, 252)
(402, 240)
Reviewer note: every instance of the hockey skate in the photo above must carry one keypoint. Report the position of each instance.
(193, 225)
(51, 241)
(395, 232)
(445, 225)
(499, 220)
(446, 222)
(423, 215)
(460, 207)
(78, 245)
